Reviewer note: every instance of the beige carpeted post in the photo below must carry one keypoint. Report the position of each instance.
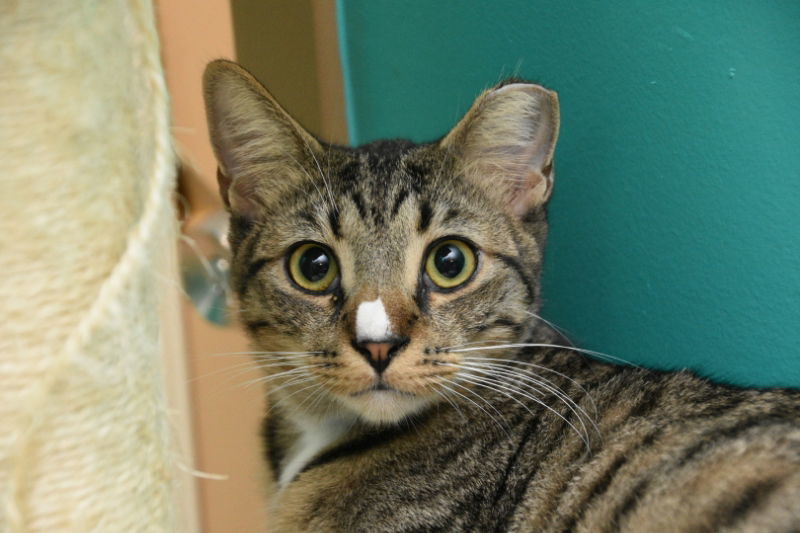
(86, 173)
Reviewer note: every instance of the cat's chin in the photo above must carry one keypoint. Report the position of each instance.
(385, 406)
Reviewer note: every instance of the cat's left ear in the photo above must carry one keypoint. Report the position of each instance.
(506, 142)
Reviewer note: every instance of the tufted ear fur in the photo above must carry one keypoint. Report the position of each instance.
(261, 150)
(507, 141)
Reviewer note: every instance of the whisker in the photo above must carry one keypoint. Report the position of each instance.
(267, 358)
(225, 354)
(244, 368)
(312, 180)
(557, 329)
(322, 175)
(454, 346)
(267, 379)
(525, 375)
(544, 345)
(497, 360)
(271, 364)
(315, 398)
(499, 422)
(253, 363)
(238, 366)
(302, 169)
(573, 406)
(296, 381)
(496, 385)
(441, 392)
(499, 373)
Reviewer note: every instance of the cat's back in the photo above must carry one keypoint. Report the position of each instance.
(678, 454)
(669, 452)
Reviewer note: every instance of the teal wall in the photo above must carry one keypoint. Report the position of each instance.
(675, 225)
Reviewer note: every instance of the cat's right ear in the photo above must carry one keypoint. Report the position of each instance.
(506, 143)
(261, 150)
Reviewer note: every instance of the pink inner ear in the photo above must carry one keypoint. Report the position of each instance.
(534, 190)
(508, 142)
(244, 199)
(238, 195)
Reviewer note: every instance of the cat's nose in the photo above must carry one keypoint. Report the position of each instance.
(380, 354)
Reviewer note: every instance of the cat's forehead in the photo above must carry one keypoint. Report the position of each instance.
(383, 198)
(380, 180)
(383, 165)
(387, 188)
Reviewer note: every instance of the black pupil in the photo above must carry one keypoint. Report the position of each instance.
(315, 263)
(449, 260)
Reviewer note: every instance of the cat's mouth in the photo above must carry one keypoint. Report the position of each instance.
(381, 403)
(381, 386)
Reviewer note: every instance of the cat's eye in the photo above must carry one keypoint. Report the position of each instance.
(450, 263)
(313, 267)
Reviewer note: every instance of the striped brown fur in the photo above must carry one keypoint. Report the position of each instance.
(486, 419)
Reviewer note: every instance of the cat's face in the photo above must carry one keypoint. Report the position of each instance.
(361, 272)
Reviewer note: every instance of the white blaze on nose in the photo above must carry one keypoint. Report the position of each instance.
(372, 322)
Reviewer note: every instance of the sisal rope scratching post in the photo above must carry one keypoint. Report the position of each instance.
(86, 175)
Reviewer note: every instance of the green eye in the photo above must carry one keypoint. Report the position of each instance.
(450, 263)
(313, 267)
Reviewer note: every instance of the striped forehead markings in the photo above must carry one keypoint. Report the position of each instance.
(425, 216)
(358, 201)
(398, 201)
(333, 221)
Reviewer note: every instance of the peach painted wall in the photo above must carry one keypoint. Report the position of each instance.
(226, 415)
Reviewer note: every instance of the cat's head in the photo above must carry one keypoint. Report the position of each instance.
(362, 271)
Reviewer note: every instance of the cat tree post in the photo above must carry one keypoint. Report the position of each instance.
(85, 181)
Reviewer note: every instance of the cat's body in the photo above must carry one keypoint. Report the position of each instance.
(674, 453)
(412, 385)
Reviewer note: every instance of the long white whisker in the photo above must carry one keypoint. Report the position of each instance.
(308, 174)
(225, 354)
(268, 358)
(272, 364)
(496, 385)
(518, 375)
(267, 379)
(294, 382)
(441, 393)
(315, 398)
(499, 422)
(544, 345)
(246, 365)
(322, 175)
(505, 362)
(555, 328)
(521, 374)
(493, 372)
(473, 343)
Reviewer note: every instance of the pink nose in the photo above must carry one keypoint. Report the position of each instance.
(380, 354)
(378, 351)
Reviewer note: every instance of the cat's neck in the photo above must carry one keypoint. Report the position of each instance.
(314, 435)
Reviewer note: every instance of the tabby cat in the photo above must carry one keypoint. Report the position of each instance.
(394, 291)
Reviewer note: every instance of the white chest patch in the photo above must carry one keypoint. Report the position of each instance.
(316, 436)
(372, 322)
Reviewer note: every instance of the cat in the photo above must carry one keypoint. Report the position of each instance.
(393, 290)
